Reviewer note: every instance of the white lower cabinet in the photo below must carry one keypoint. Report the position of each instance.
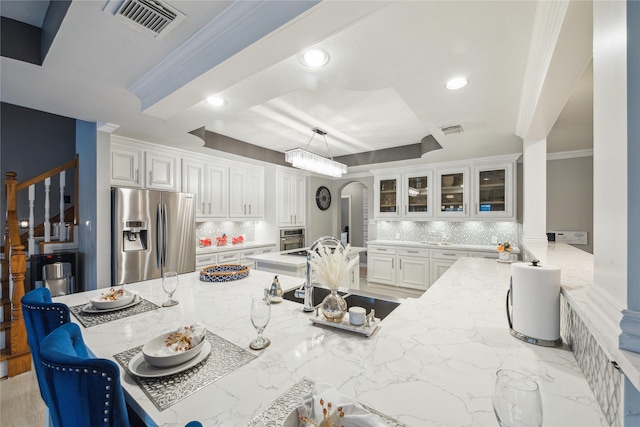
(405, 267)
(413, 268)
(381, 265)
(441, 260)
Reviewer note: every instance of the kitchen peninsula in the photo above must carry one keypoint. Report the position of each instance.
(432, 362)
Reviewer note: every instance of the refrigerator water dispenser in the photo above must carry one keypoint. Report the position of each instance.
(134, 236)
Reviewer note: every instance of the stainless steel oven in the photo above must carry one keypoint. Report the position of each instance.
(292, 238)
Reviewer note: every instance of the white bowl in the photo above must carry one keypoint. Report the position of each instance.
(121, 300)
(156, 353)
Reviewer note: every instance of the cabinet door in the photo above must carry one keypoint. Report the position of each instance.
(286, 199)
(161, 171)
(381, 269)
(126, 164)
(237, 184)
(217, 190)
(418, 195)
(453, 193)
(493, 195)
(387, 192)
(231, 257)
(255, 193)
(413, 272)
(300, 192)
(438, 267)
(193, 181)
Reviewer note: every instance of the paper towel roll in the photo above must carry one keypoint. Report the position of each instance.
(535, 293)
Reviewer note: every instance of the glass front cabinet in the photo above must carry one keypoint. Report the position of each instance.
(453, 193)
(493, 191)
(404, 196)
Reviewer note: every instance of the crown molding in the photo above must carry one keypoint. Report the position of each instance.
(546, 30)
(237, 27)
(570, 154)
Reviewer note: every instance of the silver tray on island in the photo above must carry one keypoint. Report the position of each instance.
(345, 325)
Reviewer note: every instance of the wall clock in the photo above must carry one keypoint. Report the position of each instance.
(323, 198)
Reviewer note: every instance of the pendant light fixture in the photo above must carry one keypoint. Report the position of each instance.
(306, 160)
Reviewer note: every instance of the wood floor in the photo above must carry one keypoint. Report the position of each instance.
(20, 402)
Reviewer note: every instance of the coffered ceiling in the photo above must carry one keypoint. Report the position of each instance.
(383, 87)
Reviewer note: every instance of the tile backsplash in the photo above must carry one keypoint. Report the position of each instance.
(468, 233)
(230, 228)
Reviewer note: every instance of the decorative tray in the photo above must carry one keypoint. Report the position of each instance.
(224, 272)
(364, 329)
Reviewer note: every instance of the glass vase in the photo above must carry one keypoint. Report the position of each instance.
(334, 307)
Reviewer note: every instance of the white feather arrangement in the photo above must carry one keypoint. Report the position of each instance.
(330, 265)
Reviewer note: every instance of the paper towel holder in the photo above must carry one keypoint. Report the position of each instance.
(520, 335)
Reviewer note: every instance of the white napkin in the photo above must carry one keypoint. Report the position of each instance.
(195, 333)
(354, 414)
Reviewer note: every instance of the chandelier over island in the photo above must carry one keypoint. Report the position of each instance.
(306, 160)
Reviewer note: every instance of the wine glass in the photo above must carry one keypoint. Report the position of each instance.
(516, 400)
(260, 314)
(170, 284)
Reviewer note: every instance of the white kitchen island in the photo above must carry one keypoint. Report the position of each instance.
(296, 265)
(431, 363)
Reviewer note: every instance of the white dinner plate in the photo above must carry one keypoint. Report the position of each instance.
(139, 367)
(120, 300)
(89, 308)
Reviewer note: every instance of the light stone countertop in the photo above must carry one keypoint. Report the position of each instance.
(432, 362)
(459, 247)
(241, 246)
(294, 261)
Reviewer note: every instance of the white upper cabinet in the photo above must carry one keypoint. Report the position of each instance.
(387, 196)
(210, 184)
(494, 191)
(479, 189)
(246, 192)
(453, 193)
(417, 194)
(291, 198)
(126, 165)
(161, 171)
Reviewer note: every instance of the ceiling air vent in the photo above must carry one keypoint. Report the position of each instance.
(150, 16)
(450, 130)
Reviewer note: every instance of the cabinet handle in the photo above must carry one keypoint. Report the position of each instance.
(137, 175)
(382, 250)
(392, 263)
(209, 207)
(448, 254)
(397, 210)
(245, 209)
(412, 252)
(400, 264)
(249, 208)
(150, 177)
(203, 207)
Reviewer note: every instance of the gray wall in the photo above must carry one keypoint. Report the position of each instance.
(33, 142)
(321, 223)
(570, 197)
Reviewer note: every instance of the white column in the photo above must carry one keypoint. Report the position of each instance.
(32, 199)
(61, 222)
(534, 218)
(47, 213)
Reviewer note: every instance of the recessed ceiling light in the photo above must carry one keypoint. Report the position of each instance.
(457, 83)
(314, 58)
(217, 101)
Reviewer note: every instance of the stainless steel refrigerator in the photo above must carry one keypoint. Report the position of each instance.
(152, 232)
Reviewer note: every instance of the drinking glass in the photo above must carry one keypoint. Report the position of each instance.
(516, 400)
(170, 284)
(260, 315)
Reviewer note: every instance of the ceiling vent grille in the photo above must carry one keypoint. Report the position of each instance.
(150, 16)
(450, 130)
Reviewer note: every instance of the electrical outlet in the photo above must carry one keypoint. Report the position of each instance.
(397, 235)
(494, 239)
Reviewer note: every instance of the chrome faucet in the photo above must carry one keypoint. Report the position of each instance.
(308, 287)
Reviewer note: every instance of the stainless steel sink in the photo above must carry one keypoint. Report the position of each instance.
(383, 305)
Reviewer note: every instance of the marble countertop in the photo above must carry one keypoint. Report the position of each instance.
(577, 277)
(241, 246)
(432, 362)
(295, 261)
(459, 247)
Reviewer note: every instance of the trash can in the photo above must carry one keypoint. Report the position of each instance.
(55, 279)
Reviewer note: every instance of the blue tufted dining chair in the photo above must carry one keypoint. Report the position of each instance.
(84, 391)
(41, 316)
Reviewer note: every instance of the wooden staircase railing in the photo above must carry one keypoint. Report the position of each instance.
(14, 267)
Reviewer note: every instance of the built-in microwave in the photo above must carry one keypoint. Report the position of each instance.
(292, 238)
